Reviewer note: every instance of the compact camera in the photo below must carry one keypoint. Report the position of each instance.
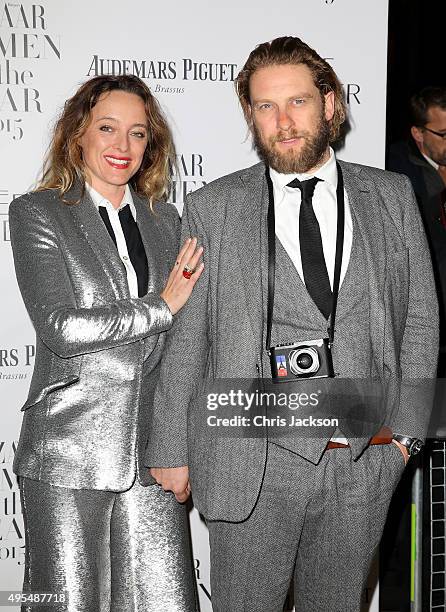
(310, 359)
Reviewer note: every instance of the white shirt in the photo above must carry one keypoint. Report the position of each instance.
(113, 215)
(431, 161)
(287, 207)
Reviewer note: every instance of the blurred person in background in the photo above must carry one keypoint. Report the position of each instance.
(422, 158)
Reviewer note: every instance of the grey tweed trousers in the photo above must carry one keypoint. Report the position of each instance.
(321, 523)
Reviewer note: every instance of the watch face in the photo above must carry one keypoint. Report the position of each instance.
(416, 446)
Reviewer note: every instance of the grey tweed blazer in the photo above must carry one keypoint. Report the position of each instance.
(219, 334)
(87, 414)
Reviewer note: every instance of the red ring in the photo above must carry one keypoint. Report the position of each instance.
(187, 274)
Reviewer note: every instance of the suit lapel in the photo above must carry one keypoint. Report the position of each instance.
(154, 243)
(366, 209)
(92, 227)
(367, 212)
(250, 243)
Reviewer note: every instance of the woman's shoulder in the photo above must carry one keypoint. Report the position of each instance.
(166, 209)
(161, 209)
(168, 213)
(168, 219)
(34, 200)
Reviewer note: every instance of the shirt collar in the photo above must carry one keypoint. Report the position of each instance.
(430, 161)
(100, 200)
(328, 173)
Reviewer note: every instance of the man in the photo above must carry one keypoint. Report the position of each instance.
(310, 506)
(423, 160)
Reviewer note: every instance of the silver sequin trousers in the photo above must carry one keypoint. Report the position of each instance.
(106, 551)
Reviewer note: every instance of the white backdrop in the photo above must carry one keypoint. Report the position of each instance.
(188, 53)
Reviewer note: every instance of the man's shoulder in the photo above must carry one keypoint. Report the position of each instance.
(381, 179)
(225, 185)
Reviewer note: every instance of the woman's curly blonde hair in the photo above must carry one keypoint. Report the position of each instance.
(64, 165)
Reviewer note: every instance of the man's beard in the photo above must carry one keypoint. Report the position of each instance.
(295, 162)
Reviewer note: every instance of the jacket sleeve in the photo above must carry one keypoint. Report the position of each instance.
(419, 348)
(44, 282)
(183, 363)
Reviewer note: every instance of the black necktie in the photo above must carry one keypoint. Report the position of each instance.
(135, 246)
(311, 251)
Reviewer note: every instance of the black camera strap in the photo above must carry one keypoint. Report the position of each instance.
(272, 255)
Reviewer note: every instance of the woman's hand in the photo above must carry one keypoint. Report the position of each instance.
(178, 288)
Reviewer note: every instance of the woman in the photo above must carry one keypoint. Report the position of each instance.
(92, 250)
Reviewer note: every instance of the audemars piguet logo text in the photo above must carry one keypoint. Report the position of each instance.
(184, 69)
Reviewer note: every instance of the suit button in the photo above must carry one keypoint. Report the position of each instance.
(125, 258)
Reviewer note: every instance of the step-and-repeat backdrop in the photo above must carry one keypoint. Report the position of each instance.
(189, 54)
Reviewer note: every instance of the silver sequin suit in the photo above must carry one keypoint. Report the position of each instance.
(87, 415)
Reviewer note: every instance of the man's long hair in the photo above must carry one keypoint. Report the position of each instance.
(292, 50)
(64, 165)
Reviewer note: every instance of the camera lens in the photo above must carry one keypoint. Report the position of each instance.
(304, 361)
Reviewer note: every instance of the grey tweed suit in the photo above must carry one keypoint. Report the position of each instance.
(220, 334)
(86, 419)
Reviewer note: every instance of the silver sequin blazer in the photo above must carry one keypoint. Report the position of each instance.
(87, 414)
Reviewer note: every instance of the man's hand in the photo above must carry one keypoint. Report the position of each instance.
(174, 479)
(403, 449)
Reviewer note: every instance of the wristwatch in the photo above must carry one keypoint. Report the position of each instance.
(413, 445)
